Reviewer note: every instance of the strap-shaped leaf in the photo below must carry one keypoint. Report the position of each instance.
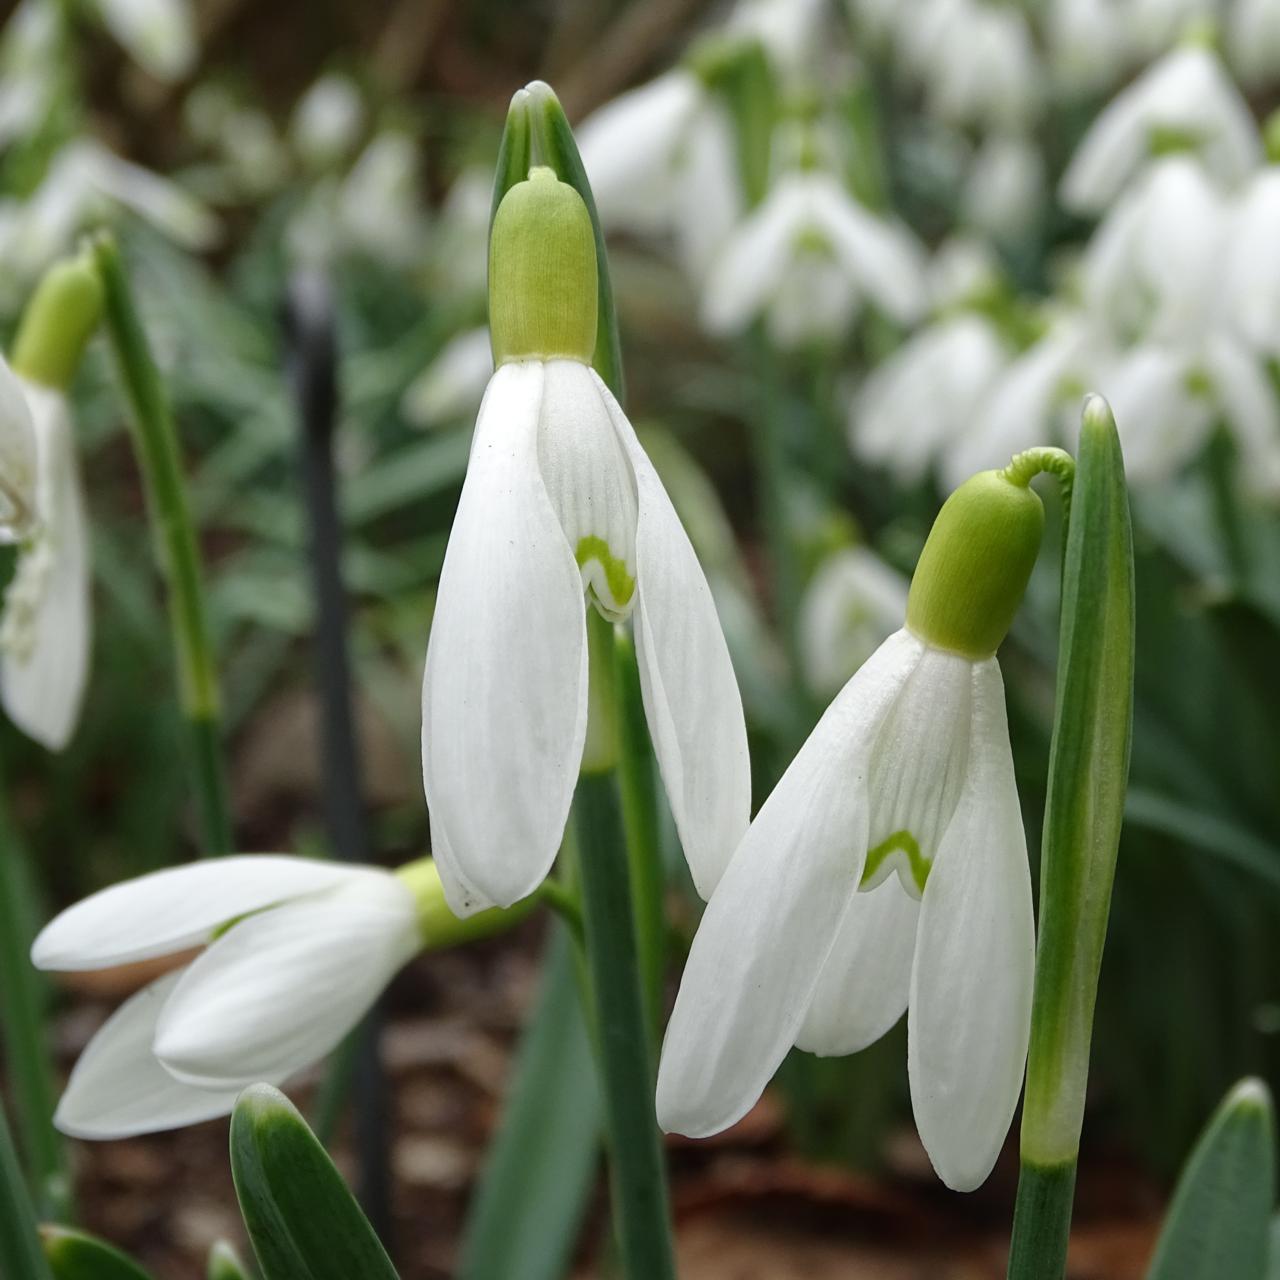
(20, 1252)
(302, 1220)
(1219, 1223)
(73, 1255)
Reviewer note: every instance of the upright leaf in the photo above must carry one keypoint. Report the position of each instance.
(73, 1255)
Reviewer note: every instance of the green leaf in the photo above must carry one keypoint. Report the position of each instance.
(302, 1220)
(73, 1255)
(1088, 771)
(20, 1252)
(514, 152)
(225, 1264)
(528, 1208)
(1219, 1223)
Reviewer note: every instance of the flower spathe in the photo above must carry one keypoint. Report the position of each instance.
(887, 872)
(294, 953)
(561, 508)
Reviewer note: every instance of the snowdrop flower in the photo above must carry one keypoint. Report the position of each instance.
(29, 56)
(327, 121)
(453, 384)
(789, 31)
(380, 205)
(1004, 192)
(1152, 26)
(289, 953)
(1253, 40)
(17, 460)
(888, 871)
(662, 161)
(561, 511)
(807, 259)
(158, 34)
(921, 400)
(1186, 97)
(1087, 43)
(854, 602)
(1252, 270)
(45, 626)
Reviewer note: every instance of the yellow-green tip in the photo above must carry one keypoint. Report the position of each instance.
(58, 322)
(438, 925)
(542, 273)
(975, 565)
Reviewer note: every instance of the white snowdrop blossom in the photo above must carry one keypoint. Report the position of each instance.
(46, 624)
(1252, 270)
(380, 207)
(452, 385)
(17, 460)
(1153, 26)
(662, 161)
(1087, 41)
(807, 260)
(562, 510)
(1004, 191)
(29, 52)
(1186, 99)
(1253, 40)
(920, 402)
(887, 872)
(790, 32)
(158, 34)
(853, 603)
(290, 953)
(327, 120)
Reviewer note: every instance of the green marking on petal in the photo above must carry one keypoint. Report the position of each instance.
(621, 584)
(899, 842)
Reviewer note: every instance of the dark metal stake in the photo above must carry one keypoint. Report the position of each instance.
(312, 370)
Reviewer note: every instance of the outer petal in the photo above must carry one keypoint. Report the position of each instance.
(691, 696)
(47, 622)
(17, 459)
(118, 1089)
(172, 910)
(773, 919)
(504, 706)
(867, 977)
(970, 1012)
(278, 991)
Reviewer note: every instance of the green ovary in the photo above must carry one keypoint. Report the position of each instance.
(620, 583)
(902, 842)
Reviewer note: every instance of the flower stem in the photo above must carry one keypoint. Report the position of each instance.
(1042, 1221)
(22, 999)
(156, 443)
(637, 1171)
(1088, 773)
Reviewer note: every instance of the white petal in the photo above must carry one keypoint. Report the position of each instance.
(159, 34)
(452, 385)
(970, 1012)
(117, 1088)
(279, 990)
(47, 622)
(691, 696)
(708, 193)
(867, 977)
(749, 268)
(172, 910)
(772, 921)
(18, 464)
(504, 707)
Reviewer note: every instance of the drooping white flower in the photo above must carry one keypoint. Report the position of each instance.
(1187, 97)
(807, 260)
(327, 120)
(662, 160)
(1087, 43)
(921, 400)
(1253, 40)
(1252, 268)
(18, 465)
(379, 205)
(46, 625)
(561, 511)
(294, 952)
(854, 602)
(1004, 191)
(789, 31)
(158, 34)
(1154, 26)
(887, 871)
(452, 385)
(29, 52)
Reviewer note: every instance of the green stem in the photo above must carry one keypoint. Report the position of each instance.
(637, 1170)
(1226, 504)
(1042, 1221)
(20, 1251)
(22, 1000)
(156, 443)
(640, 820)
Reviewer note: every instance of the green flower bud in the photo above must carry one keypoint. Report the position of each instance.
(542, 273)
(975, 565)
(58, 322)
(439, 926)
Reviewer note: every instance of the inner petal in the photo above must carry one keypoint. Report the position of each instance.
(917, 770)
(590, 484)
